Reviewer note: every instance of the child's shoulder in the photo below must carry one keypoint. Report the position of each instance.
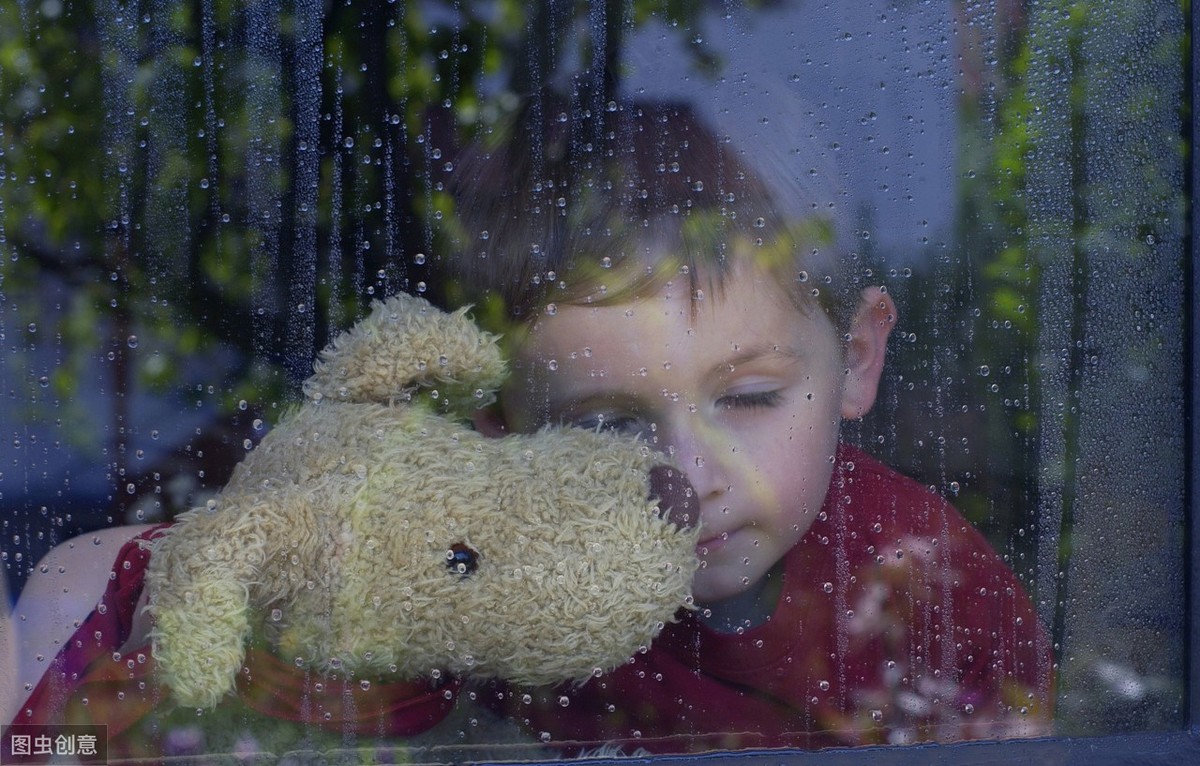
(880, 490)
(77, 570)
(895, 512)
(62, 590)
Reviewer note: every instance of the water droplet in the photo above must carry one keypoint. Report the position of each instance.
(823, 686)
(827, 587)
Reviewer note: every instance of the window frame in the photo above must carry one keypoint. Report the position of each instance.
(1170, 747)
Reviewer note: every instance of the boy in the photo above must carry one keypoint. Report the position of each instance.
(647, 283)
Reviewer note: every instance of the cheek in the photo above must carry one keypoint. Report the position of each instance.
(798, 508)
(804, 490)
(797, 472)
(798, 446)
(798, 524)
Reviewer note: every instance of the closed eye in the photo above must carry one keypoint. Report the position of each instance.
(622, 424)
(750, 400)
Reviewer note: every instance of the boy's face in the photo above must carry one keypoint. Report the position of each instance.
(743, 389)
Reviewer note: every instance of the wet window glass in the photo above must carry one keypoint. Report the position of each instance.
(475, 380)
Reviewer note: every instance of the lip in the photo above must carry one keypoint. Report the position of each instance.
(713, 543)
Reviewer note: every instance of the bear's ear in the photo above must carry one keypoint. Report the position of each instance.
(407, 343)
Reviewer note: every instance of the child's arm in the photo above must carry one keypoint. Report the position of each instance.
(62, 591)
(8, 655)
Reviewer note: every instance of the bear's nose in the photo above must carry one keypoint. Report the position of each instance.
(675, 496)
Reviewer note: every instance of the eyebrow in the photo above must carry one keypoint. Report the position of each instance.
(754, 353)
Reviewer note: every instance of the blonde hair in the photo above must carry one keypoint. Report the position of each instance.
(562, 208)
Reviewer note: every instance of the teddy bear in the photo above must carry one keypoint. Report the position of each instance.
(374, 534)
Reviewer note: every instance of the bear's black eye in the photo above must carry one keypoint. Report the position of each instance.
(462, 559)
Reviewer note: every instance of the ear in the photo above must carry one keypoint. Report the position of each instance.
(489, 421)
(405, 342)
(866, 349)
(200, 604)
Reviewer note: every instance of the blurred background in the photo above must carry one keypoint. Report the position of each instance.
(194, 195)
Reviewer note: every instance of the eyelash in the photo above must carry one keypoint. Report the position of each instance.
(617, 423)
(754, 400)
(749, 401)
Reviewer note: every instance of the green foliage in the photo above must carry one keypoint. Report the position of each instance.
(243, 176)
(1072, 199)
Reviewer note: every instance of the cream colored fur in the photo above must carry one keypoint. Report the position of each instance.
(332, 536)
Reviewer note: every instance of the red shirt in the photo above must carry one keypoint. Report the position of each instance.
(90, 682)
(897, 623)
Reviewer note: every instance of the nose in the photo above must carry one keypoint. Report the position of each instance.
(694, 443)
(675, 496)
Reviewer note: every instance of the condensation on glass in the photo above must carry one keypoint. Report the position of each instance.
(194, 197)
